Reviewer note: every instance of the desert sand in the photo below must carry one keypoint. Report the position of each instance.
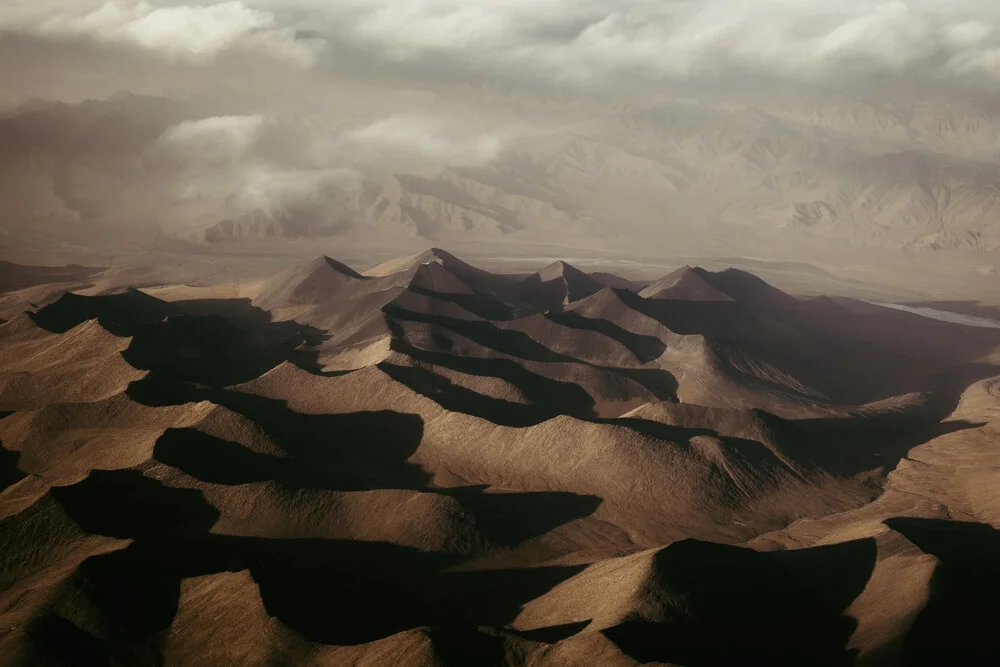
(423, 462)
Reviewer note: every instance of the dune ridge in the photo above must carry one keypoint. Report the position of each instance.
(426, 463)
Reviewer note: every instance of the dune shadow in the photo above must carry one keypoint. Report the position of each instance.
(219, 461)
(351, 451)
(342, 592)
(127, 504)
(66, 643)
(309, 359)
(554, 634)
(330, 591)
(456, 398)
(239, 311)
(504, 519)
(754, 452)
(217, 342)
(337, 592)
(289, 340)
(547, 397)
(728, 605)
(157, 391)
(850, 352)
(210, 349)
(468, 646)
(476, 303)
(509, 518)
(645, 348)
(10, 474)
(121, 314)
(660, 383)
(847, 446)
(841, 446)
(958, 624)
(513, 343)
(17, 276)
(347, 452)
(709, 318)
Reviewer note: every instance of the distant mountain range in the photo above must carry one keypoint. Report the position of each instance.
(922, 178)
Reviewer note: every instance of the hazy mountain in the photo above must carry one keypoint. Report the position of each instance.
(922, 177)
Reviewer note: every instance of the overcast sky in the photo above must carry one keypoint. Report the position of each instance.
(397, 54)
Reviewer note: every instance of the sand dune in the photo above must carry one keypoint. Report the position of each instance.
(80, 365)
(685, 284)
(426, 463)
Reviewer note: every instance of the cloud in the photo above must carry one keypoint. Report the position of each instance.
(217, 139)
(268, 188)
(563, 39)
(197, 32)
(425, 137)
(409, 29)
(591, 39)
(222, 160)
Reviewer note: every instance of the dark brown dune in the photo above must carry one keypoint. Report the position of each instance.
(556, 285)
(16, 277)
(430, 464)
(685, 284)
(316, 283)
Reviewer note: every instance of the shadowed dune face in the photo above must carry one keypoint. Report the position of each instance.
(726, 605)
(430, 460)
(219, 461)
(212, 341)
(120, 314)
(350, 451)
(65, 643)
(15, 276)
(645, 348)
(9, 473)
(330, 591)
(958, 621)
(96, 505)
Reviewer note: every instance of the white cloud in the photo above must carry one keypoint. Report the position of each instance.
(216, 139)
(223, 162)
(193, 32)
(264, 187)
(805, 38)
(406, 29)
(582, 39)
(585, 39)
(190, 31)
(425, 137)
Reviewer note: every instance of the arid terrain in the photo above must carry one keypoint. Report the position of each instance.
(427, 463)
(709, 374)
